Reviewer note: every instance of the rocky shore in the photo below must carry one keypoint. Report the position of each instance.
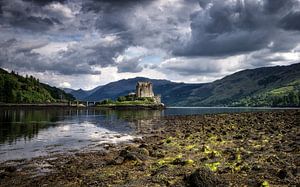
(241, 149)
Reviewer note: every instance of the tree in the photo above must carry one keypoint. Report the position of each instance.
(121, 99)
(293, 98)
(106, 101)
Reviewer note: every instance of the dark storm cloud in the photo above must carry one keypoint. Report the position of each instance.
(14, 46)
(112, 23)
(40, 16)
(110, 5)
(94, 54)
(1, 8)
(275, 6)
(139, 22)
(116, 19)
(130, 65)
(33, 23)
(291, 21)
(225, 28)
(18, 55)
(25, 15)
(94, 33)
(44, 2)
(113, 15)
(204, 3)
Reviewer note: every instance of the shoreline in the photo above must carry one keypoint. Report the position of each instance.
(242, 107)
(39, 105)
(68, 105)
(251, 148)
(130, 107)
(135, 107)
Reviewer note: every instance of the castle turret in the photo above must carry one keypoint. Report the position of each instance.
(144, 89)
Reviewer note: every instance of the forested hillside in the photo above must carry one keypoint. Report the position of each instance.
(18, 89)
(267, 86)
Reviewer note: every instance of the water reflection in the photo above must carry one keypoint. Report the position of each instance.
(26, 133)
(26, 123)
(30, 132)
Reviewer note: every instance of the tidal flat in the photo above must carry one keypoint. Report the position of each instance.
(238, 149)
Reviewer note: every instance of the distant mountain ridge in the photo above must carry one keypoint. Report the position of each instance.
(123, 87)
(81, 94)
(267, 86)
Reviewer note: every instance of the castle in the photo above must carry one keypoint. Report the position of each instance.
(145, 89)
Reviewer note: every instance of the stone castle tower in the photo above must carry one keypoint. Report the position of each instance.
(144, 89)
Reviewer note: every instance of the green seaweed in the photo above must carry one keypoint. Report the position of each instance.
(213, 166)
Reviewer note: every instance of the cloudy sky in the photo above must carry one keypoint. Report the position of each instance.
(86, 43)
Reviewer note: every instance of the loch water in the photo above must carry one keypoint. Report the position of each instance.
(31, 132)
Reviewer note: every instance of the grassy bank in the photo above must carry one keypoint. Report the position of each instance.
(141, 103)
(136, 102)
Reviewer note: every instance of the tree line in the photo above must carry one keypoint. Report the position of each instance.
(18, 89)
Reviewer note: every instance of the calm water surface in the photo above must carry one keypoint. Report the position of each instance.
(32, 132)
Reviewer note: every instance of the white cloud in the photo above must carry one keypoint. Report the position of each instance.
(60, 10)
(87, 82)
(199, 66)
(64, 85)
(53, 48)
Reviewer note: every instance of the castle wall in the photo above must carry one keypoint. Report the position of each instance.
(157, 99)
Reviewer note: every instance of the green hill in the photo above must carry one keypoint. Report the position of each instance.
(286, 95)
(268, 86)
(17, 89)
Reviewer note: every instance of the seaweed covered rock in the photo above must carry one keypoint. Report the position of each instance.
(131, 153)
(204, 178)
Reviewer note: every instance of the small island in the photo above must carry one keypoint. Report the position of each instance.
(142, 98)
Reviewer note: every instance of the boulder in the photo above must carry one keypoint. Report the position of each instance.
(204, 178)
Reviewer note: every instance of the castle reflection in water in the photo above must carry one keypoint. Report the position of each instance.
(26, 123)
